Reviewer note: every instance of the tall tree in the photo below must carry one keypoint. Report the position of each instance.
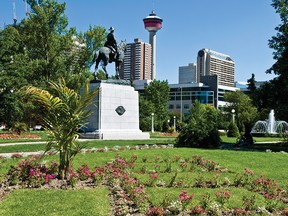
(245, 111)
(94, 39)
(157, 92)
(252, 83)
(252, 89)
(279, 86)
(146, 108)
(41, 48)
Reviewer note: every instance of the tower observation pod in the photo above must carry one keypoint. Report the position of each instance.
(152, 24)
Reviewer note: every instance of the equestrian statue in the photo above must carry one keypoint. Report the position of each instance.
(110, 52)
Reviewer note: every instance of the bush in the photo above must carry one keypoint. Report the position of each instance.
(19, 127)
(233, 130)
(201, 129)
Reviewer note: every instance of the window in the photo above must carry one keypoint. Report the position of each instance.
(186, 106)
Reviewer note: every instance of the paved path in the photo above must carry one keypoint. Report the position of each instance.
(31, 143)
(25, 154)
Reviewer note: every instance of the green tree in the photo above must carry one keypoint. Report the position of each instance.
(233, 130)
(245, 111)
(277, 97)
(94, 39)
(12, 76)
(201, 129)
(64, 112)
(145, 111)
(157, 93)
(41, 48)
(252, 83)
(11, 110)
(252, 89)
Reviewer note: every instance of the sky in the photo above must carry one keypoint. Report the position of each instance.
(238, 28)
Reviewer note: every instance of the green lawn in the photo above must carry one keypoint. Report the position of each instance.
(57, 202)
(96, 201)
(87, 144)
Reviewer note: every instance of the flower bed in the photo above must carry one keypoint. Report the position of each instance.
(17, 136)
(164, 186)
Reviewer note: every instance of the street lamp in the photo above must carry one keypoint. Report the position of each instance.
(233, 115)
(152, 125)
(181, 105)
(174, 117)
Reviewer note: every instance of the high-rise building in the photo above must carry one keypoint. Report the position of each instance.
(137, 61)
(213, 63)
(187, 74)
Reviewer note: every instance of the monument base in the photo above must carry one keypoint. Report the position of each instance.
(116, 135)
(115, 113)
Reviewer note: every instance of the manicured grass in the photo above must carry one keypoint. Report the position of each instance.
(57, 202)
(233, 140)
(87, 144)
(22, 148)
(157, 195)
(270, 165)
(233, 163)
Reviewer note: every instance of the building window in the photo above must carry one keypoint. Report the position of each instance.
(186, 106)
(171, 106)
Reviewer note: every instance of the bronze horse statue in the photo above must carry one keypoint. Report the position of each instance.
(106, 55)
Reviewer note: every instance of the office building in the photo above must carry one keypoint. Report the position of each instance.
(211, 63)
(187, 74)
(137, 61)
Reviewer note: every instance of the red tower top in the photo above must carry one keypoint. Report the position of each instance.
(152, 22)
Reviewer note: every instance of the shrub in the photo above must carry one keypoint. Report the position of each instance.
(233, 130)
(201, 129)
(19, 127)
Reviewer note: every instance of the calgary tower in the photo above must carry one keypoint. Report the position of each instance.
(153, 23)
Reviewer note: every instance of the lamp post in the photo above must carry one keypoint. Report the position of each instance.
(233, 115)
(152, 125)
(181, 106)
(174, 117)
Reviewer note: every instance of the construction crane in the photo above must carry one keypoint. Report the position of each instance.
(14, 13)
(26, 8)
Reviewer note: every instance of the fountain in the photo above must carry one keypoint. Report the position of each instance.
(270, 126)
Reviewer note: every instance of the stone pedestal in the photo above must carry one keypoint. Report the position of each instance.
(115, 113)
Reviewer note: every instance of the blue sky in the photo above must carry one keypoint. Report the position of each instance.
(239, 28)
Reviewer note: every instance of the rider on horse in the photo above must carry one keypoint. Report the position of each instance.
(111, 43)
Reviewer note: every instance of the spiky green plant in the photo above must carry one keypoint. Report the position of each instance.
(64, 112)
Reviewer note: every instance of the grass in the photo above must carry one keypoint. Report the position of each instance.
(86, 144)
(157, 195)
(111, 143)
(96, 201)
(233, 140)
(57, 202)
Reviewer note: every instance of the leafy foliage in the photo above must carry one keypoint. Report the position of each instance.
(145, 110)
(201, 129)
(157, 96)
(273, 95)
(41, 48)
(245, 111)
(64, 114)
(233, 130)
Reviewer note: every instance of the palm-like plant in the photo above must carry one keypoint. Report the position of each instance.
(64, 113)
